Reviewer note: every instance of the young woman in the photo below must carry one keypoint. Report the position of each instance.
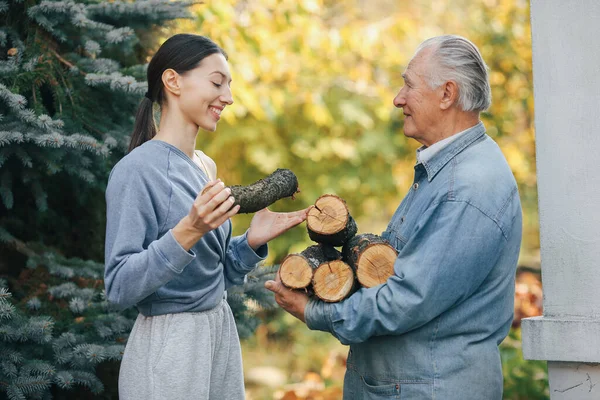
(169, 249)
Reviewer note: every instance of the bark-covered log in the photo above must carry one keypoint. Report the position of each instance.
(371, 257)
(264, 192)
(330, 222)
(333, 281)
(296, 270)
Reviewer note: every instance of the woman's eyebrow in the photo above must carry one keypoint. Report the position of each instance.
(220, 73)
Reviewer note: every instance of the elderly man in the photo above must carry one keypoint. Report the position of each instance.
(432, 330)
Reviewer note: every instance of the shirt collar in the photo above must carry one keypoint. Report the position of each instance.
(425, 154)
(434, 157)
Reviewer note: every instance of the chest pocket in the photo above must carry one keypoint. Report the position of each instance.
(398, 230)
(396, 239)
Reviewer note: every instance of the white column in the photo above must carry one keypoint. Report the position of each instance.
(566, 78)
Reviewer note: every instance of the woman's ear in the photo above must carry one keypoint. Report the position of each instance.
(171, 81)
(449, 95)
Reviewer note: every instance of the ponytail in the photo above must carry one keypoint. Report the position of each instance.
(145, 127)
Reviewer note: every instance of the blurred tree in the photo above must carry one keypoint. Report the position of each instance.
(313, 83)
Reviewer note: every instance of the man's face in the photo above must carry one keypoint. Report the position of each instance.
(420, 104)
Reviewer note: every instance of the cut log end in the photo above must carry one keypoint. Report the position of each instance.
(375, 265)
(328, 216)
(329, 221)
(333, 281)
(295, 272)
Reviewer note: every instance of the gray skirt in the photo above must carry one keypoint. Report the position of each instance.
(183, 356)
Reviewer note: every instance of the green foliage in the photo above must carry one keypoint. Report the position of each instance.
(245, 301)
(60, 327)
(284, 342)
(68, 94)
(523, 380)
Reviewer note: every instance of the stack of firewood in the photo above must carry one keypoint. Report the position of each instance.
(366, 260)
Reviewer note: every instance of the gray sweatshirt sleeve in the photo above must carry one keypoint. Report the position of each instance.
(241, 259)
(137, 261)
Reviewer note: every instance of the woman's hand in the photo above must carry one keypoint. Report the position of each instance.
(267, 225)
(211, 208)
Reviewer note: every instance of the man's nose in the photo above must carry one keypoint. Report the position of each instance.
(399, 101)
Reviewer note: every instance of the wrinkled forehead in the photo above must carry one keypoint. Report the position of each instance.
(420, 64)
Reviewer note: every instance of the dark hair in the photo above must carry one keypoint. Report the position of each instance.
(182, 53)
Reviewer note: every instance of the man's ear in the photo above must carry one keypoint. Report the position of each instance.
(170, 80)
(449, 95)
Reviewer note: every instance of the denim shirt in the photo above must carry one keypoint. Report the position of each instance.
(432, 330)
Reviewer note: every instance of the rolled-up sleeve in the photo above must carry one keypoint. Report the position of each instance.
(431, 274)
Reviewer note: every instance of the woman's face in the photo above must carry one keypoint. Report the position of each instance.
(205, 91)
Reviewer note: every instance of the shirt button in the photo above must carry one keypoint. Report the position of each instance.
(402, 219)
(416, 185)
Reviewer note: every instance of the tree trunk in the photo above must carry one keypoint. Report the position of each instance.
(264, 192)
(330, 222)
(371, 257)
(296, 271)
(333, 281)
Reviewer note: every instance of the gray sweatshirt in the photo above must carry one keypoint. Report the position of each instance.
(149, 191)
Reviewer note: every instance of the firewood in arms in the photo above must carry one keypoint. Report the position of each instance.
(296, 270)
(371, 257)
(330, 222)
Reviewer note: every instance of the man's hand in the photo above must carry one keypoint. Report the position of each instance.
(292, 301)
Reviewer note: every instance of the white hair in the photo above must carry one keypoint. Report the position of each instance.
(457, 59)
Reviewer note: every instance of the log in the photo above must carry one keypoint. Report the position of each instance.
(333, 281)
(264, 192)
(371, 257)
(296, 270)
(330, 222)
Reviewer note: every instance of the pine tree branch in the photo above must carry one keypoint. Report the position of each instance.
(68, 92)
(20, 246)
(65, 62)
(90, 128)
